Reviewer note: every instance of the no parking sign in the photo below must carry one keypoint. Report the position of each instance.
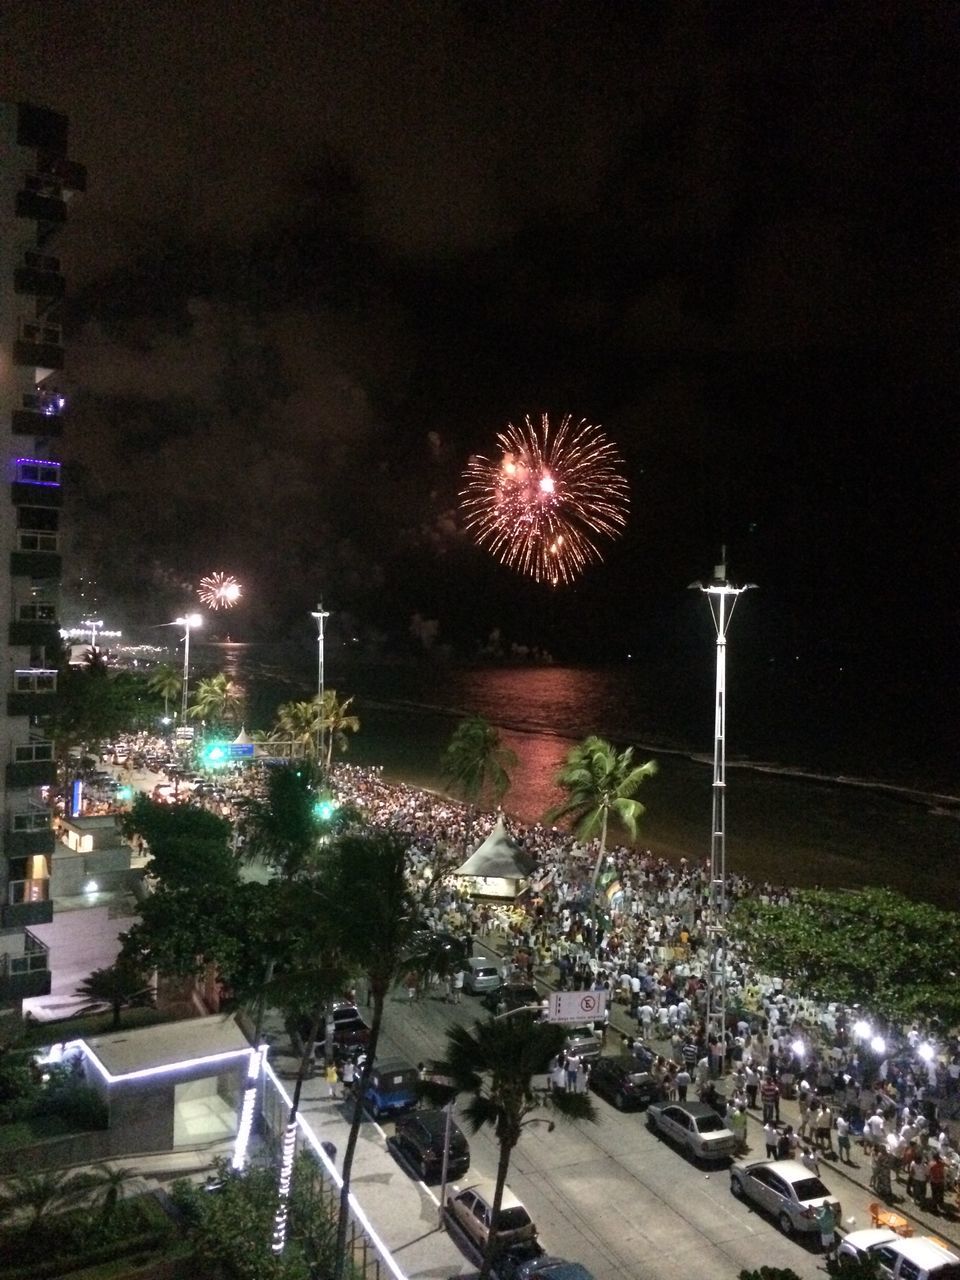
(576, 1006)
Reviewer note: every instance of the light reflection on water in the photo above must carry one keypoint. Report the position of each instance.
(782, 828)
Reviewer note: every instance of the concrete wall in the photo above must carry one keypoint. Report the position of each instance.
(71, 872)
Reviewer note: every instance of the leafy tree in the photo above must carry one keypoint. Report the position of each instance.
(870, 947)
(475, 762)
(167, 684)
(600, 782)
(217, 699)
(188, 845)
(283, 827)
(121, 986)
(495, 1064)
(378, 923)
(92, 706)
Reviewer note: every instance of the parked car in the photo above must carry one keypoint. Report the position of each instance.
(481, 975)
(694, 1126)
(419, 1137)
(541, 1265)
(513, 995)
(349, 1027)
(786, 1189)
(471, 1211)
(391, 1087)
(621, 1082)
(583, 1042)
(895, 1258)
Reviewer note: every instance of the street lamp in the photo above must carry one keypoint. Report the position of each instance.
(188, 622)
(722, 597)
(320, 616)
(94, 624)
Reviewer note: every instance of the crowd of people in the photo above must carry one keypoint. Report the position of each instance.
(648, 951)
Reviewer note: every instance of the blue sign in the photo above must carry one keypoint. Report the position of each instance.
(240, 750)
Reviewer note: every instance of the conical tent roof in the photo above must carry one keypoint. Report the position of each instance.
(243, 738)
(499, 857)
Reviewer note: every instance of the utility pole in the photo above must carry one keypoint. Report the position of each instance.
(320, 616)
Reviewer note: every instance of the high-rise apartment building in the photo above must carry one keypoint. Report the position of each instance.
(36, 182)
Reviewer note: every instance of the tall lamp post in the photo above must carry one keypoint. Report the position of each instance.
(320, 616)
(188, 622)
(722, 597)
(94, 624)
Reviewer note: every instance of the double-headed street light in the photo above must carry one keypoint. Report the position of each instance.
(722, 596)
(188, 622)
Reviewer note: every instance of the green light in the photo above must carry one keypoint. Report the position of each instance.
(125, 793)
(214, 754)
(325, 809)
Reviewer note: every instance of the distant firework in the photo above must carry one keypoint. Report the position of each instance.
(541, 507)
(220, 591)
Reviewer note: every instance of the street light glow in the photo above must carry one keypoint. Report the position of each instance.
(861, 1029)
(878, 1044)
(926, 1052)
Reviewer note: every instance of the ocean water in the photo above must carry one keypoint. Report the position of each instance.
(812, 796)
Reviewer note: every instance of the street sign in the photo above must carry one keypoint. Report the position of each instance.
(184, 733)
(240, 750)
(576, 1006)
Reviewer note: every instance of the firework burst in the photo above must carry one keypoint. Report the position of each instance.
(542, 507)
(220, 590)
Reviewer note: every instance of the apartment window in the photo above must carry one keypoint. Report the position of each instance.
(30, 820)
(33, 752)
(41, 333)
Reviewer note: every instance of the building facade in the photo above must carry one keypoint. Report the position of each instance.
(36, 182)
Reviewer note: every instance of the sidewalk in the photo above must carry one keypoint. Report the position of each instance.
(946, 1227)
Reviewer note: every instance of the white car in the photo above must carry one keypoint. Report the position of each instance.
(472, 1212)
(895, 1258)
(694, 1126)
(787, 1190)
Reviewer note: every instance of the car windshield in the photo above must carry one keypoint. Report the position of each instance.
(810, 1189)
(709, 1124)
(513, 1219)
(638, 1077)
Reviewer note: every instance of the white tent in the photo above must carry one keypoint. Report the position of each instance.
(499, 868)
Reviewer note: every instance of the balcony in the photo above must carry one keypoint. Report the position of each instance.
(35, 283)
(41, 415)
(21, 775)
(29, 844)
(28, 974)
(37, 561)
(42, 129)
(39, 346)
(65, 173)
(36, 482)
(37, 633)
(43, 205)
(33, 690)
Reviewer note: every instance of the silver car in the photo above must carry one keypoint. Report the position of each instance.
(694, 1126)
(786, 1189)
(481, 975)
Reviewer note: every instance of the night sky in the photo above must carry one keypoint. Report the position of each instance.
(329, 250)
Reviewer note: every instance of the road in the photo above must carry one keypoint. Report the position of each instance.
(609, 1194)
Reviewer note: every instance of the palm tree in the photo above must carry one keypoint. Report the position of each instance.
(166, 684)
(121, 986)
(338, 721)
(378, 924)
(495, 1064)
(113, 1182)
(217, 698)
(600, 782)
(282, 827)
(42, 1192)
(476, 763)
(299, 723)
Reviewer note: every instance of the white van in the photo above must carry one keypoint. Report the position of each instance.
(898, 1258)
(481, 975)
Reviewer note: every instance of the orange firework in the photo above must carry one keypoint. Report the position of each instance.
(542, 507)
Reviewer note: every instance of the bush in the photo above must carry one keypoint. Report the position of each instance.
(18, 1086)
